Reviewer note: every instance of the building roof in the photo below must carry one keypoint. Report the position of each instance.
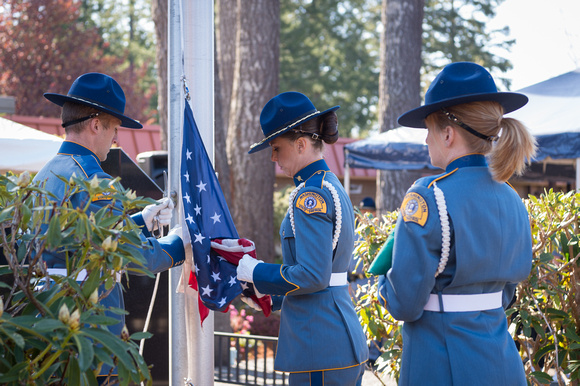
(135, 141)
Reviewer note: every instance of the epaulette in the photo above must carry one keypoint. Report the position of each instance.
(429, 180)
(90, 166)
(316, 180)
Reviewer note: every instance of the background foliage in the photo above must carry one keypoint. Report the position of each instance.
(47, 44)
(545, 316)
(329, 50)
(56, 333)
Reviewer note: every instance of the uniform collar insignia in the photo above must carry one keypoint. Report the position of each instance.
(310, 170)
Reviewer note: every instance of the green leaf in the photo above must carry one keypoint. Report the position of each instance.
(14, 374)
(73, 374)
(103, 355)
(26, 214)
(571, 334)
(86, 352)
(46, 324)
(101, 320)
(54, 232)
(542, 377)
(543, 351)
(6, 214)
(141, 335)
(557, 314)
(112, 342)
(91, 283)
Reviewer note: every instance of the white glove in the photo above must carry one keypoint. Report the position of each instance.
(246, 267)
(176, 231)
(158, 214)
(250, 302)
(258, 293)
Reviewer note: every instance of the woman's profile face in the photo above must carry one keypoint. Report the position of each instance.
(436, 147)
(284, 153)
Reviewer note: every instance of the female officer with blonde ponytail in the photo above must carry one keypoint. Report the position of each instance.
(462, 240)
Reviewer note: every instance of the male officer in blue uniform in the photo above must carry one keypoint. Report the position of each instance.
(91, 113)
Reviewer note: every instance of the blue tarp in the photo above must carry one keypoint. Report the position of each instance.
(552, 115)
(402, 148)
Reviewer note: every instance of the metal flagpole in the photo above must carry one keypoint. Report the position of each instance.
(177, 349)
(191, 39)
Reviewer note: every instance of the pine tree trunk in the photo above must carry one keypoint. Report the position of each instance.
(159, 13)
(255, 82)
(399, 86)
(225, 54)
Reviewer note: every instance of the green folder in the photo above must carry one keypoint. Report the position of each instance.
(384, 259)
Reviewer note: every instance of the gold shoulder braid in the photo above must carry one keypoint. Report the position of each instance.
(337, 208)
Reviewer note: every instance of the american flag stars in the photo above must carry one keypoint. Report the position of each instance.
(206, 217)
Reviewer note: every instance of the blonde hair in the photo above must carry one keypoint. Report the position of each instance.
(512, 151)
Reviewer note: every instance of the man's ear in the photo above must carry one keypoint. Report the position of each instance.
(95, 125)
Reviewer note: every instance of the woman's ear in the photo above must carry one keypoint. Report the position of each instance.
(448, 135)
(300, 145)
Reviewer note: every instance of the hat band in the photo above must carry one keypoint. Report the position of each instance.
(97, 104)
(284, 129)
(454, 119)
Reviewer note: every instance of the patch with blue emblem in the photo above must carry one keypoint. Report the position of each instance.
(310, 202)
(414, 209)
(104, 196)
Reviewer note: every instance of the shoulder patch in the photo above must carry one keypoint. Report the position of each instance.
(414, 208)
(105, 196)
(310, 202)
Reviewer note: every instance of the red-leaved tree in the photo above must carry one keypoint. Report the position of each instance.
(45, 46)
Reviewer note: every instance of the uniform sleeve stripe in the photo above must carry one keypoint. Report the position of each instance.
(288, 281)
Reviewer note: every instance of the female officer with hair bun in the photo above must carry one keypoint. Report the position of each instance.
(462, 241)
(321, 341)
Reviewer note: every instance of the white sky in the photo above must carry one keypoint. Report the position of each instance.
(547, 34)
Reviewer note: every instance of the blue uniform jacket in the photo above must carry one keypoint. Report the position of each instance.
(491, 250)
(72, 158)
(319, 329)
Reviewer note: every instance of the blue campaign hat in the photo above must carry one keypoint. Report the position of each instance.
(284, 112)
(367, 203)
(458, 83)
(99, 91)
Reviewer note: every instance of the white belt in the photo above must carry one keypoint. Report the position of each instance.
(337, 279)
(82, 275)
(464, 303)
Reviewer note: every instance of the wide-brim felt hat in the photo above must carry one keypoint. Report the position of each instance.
(99, 91)
(459, 83)
(284, 112)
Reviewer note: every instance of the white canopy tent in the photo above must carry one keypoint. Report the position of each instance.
(25, 148)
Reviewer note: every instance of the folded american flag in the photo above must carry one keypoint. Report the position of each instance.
(233, 250)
